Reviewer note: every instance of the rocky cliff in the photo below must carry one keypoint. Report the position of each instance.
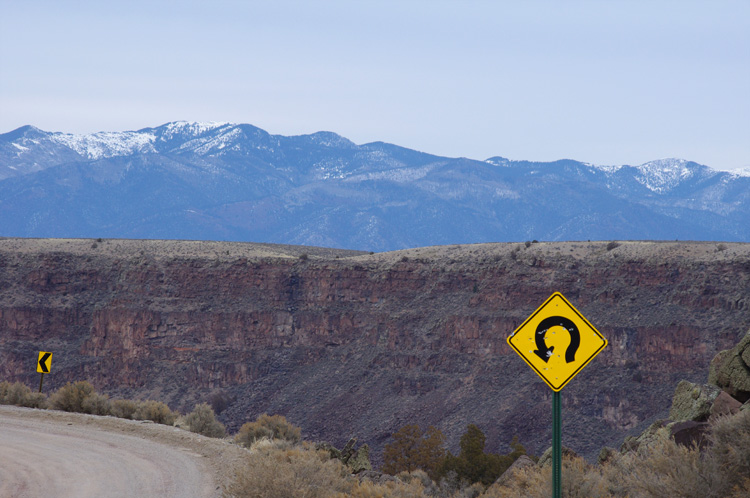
(345, 343)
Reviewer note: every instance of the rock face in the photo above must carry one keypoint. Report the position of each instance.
(724, 405)
(730, 370)
(695, 407)
(692, 401)
(356, 460)
(345, 343)
(520, 463)
(546, 458)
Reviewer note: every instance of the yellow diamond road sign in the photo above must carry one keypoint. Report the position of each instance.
(557, 341)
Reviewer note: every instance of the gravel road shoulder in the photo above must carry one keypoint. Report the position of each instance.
(52, 453)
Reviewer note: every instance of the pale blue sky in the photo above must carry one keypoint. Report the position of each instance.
(608, 82)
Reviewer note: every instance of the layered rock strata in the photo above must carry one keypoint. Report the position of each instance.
(346, 343)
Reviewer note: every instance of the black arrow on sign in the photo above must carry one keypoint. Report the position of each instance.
(43, 362)
(545, 352)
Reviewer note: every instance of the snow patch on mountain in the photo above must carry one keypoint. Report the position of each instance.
(189, 128)
(743, 172)
(330, 170)
(214, 143)
(663, 175)
(606, 168)
(498, 161)
(21, 149)
(107, 144)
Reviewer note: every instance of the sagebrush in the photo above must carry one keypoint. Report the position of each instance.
(268, 427)
(202, 420)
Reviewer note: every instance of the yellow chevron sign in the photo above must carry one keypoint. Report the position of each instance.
(44, 363)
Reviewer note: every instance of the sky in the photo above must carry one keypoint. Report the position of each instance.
(606, 82)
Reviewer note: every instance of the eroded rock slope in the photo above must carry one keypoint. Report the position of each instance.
(355, 344)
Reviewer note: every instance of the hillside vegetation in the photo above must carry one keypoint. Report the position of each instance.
(702, 451)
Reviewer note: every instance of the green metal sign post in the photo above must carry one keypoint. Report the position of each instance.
(556, 447)
(537, 341)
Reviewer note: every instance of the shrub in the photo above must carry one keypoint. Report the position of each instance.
(662, 469)
(203, 421)
(730, 439)
(271, 427)
(71, 396)
(413, 449)
(391, 489)
(613, 245)
(298, 472)
(20, 394)
(123, 408)
(667, 469)
(96, 404)
(578, 481)
(156, 411)
(219, 401)
(472, 464)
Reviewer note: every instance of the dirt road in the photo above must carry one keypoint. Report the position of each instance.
(45, 453)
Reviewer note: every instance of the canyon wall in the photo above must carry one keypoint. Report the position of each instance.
(354, 344)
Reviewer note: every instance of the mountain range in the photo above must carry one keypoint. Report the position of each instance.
(236, 182)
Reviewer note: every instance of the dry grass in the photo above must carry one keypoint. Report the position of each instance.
(272, 470)
(277, 473)
(661, 470)
(368, 489)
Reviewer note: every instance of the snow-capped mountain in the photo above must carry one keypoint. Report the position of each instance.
(231, 181)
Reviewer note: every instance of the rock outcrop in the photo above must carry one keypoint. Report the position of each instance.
(356, 460)
(354, 343)
(520, 463)
(730, 370)
(692, 401)
(546, 458)
(695, 406)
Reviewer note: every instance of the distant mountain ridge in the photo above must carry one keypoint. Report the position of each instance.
(225, 181)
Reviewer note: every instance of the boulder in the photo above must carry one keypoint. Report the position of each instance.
(360, 460)
(332, 451)
(692, 401)
(521, 463)
(689, 433)
(348, 450)
(357, 460)
(724, 404)
(376, 477)
(605, 455)
(730, 370)
(656, 431)
(546, 458)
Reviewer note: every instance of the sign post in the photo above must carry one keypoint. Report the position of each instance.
(540, 340)
(43, 365)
